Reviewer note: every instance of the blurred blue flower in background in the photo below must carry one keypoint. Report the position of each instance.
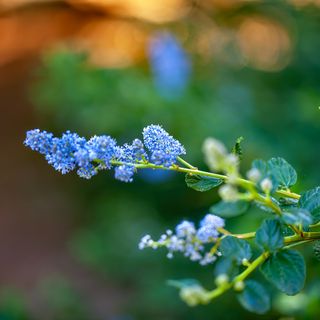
(170, 66)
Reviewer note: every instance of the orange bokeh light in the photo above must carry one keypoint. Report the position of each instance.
(264, 44)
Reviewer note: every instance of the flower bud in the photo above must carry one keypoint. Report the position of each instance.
(215, 153)
(221, 279)
(245, 262)
(228, 193)
(239, 286)
(193, 295)
(254, 175)
(266, 185)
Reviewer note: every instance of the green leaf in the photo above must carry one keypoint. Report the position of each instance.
(316, 249)
(255, 297)
(297, 216)
(286, 270)
(269, 236)
(229, 209)
(182, 283)
(310, 200)
(235, 249)
(224, 265)
(261, 165)
(282, 171)
(263, 168)
(200, 183)
(237, 150)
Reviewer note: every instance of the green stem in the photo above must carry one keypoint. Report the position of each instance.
(185, 163)
(290, 242)
(242, 276)
(193, 170)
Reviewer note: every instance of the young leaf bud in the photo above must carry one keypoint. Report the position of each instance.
(239, 286)
(254, 175)
(266, 185)
(228, 193)
(221, 279)
(193, 295)
(215, 153)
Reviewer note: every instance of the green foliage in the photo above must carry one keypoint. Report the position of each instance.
(200, 183)
(227, 266)
(269, 236)
(310, 200)
(278, 170)
(235, 249)
(284, 173)
(297, 216)
(316, 249)
(286, 270)
(226, 100)
(255, 297)
(229, 209)
(237, 149)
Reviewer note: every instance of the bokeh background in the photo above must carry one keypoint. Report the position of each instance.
(222, 68)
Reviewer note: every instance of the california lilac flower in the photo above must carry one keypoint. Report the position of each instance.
(209, 228)
(188, 240)
(61, 153)
(72, 152)
(39, 140)
(163, 147)
(102, 148)
(170, 65)
(131, 153)
(124, 173)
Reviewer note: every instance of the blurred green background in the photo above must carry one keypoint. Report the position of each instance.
(68, 246)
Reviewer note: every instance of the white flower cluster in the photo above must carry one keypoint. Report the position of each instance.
(218, 158)
(189, 240)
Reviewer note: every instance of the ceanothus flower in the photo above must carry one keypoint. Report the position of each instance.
(163, 147)
(188, 240)
(61, 153)
(101, 152)
(131, 153)
(209, 228)
(185, 229)
(87, 172)
(39, 140)
(124, 173)
(102, 148)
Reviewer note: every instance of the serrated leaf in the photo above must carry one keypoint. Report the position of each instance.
(316, 250)
(297, 216)
(261, 165)
(286, 270)
(237, 150)
(200, 183)
(269, 236)
(255, 297)
(310, 200)
(282, 171)
(235, 249)
(229, 209)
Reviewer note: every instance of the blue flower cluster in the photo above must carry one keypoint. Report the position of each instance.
(189, 240)
(164, 148)
(72, 152)
(170, 65)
